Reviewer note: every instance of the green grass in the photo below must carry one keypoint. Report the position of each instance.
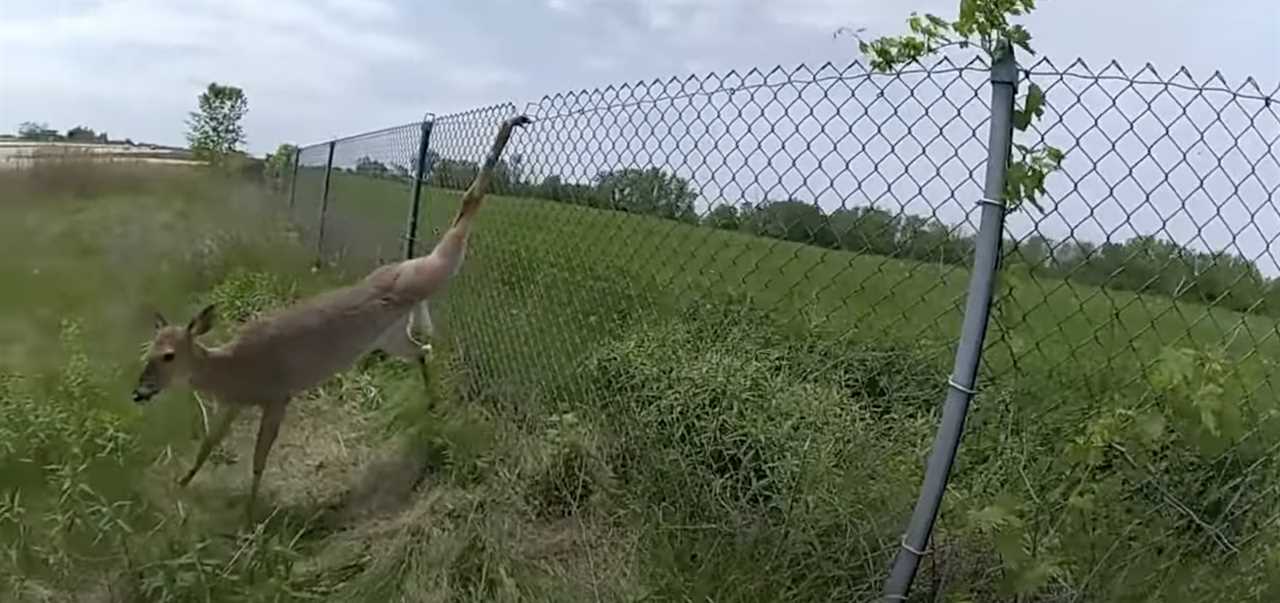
(620, 408)
(1042, 327)
(1154, 413)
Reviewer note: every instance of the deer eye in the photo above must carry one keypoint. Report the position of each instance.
(167, 357)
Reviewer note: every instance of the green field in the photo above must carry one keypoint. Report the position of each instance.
(621, 408)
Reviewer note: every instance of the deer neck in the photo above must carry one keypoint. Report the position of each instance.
(212, 370)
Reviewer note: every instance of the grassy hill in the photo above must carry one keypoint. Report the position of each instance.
(1043, 326)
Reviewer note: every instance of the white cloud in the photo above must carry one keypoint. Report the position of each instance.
(600, 62)
(828, 15)
(564, 6)
(378, 10)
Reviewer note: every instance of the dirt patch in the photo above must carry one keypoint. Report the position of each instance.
(322, 449)
(385, 488)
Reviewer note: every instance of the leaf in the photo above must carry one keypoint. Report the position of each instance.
(1035, 577)
(1020, 37)
(1011, 546)
(991, 517)
(1034, 104)
(1173, 368)
(1081, 502)
(1209, 401)
(1021, 119)
(1151, 428)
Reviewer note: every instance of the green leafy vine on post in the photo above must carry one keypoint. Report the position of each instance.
(984, 24)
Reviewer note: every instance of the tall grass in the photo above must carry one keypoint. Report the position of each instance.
(1122, 447)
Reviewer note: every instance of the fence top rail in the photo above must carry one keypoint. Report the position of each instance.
(659, 90)
(368, 134)
(494, 111)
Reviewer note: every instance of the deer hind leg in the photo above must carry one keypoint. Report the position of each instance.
(227, 414)
(268, 428)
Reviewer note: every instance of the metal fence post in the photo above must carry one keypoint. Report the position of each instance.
(411, 229)
(293, 178)
(324, 204)
(960, 387)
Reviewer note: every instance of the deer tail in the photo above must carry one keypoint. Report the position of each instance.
(480, 186)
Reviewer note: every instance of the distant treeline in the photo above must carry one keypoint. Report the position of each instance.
(41, 132)
(1141, 264)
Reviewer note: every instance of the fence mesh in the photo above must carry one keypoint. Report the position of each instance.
(1122, 442)
(308, 188)
(369, 197)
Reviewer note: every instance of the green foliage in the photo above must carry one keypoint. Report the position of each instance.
(984, 24)
(60, 451)
(278, 168)
(214, 131)
(571, 474)
(30, 130)
(651, 191)
(84, 134)
(789, 220)
(723, 216)
(720, 419)
(244, 295)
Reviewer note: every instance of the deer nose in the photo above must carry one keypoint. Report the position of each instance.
(143, 393)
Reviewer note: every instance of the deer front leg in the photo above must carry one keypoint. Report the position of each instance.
(268, 428)
(227, 414)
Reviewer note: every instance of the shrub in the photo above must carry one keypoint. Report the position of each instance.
(720, 418)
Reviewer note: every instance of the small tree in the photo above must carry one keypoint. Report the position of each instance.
(983, 24)
(30, 130)
(649, 191)
(82, 134)
(214, 131)
(279, 165)
(724, 216)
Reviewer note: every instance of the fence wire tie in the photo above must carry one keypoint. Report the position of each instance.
(968, 390)
(913, 550)
(992, 202)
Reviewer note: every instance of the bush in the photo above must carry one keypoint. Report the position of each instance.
(721, 419)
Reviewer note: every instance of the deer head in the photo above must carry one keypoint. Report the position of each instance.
(171, 353)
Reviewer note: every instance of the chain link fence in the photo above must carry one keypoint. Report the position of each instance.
(1122, 439)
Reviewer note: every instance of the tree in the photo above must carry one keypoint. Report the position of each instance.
(724, 216)
(866, 229)
(215, 131)
(30, 130)
(790, 220)
(369, 166)
(82, 134)
(279, 165)
(649, 191)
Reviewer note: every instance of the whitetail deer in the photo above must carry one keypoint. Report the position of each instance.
(283, 353)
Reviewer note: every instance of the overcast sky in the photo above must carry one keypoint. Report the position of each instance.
(313, 70)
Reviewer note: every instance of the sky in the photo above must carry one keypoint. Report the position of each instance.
(313, 70)
(1198, 168)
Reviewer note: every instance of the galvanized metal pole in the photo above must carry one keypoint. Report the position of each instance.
(411, 229)
(293, 178)
(960, 387)
(324, 204)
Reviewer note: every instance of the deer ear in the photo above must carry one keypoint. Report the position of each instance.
(202, 322)
(159, 320)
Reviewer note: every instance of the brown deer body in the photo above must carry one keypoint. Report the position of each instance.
(284, 353)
